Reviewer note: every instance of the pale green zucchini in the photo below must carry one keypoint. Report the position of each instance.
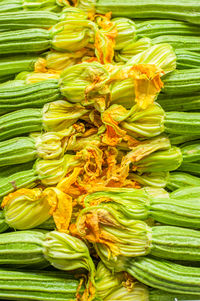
(178, 180)
(181, 82)
(191, 43)
(154, 28)
(38, 286)
(27, 40)
(165, 275)
(186, 10)
(17, 94)
(27, 19)
(10, 65)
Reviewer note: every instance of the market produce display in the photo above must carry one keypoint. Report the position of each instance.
(100, 150)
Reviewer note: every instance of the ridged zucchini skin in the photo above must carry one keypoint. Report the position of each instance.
(159, 295)
(38, 285)
(27, 178)
(186, 123)
(165, 275)
(178, 180)
(22, 249)
(185, 10)
(27, 40)
(10, 65)
(20, 122)
(191, 167)
(187, 59)
(191, 151)
(191, 43)
(18, 5)
(27, 19)
(17, 150)
(176, 212)
(179, 139)
(3, 225)
(180, 103)
(16, 95)
(181, 82)
(175, 243)
(154, 28)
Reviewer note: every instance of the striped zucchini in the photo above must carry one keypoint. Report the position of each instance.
(187, 59)
(22, 249)
(179, 139)
(10, 65)
(182, 82)
(17, 150)
(186, 193)
(180, 103)
(17, 5)
(38, 286)
(191, 43)
(27, 40)
(191, 167)
(17, 95)
(160, 295)
(183, 123)
(154, 28)
(186, 10)
(27, 19)
(181, 179)
(165, 275)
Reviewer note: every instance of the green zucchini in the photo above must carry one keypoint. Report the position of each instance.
(37, 285)
(27, 20)
(186, 10)
(13, 64)
(18, 5)
(165, 275)
(27, 40)
(191, 43)
(187, 59)
(154, 28)
(180, 103)
(191, 151)
(179, 139)
(181, 82)
(183, 123)
(3, 225)
(22, 249)
(15, 95)
(181, 179)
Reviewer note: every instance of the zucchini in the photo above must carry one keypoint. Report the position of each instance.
(3, 225)
(154, 28)
(186, 10)
(180, 103)
(183, 123)
(182, 82)
(191, 151)
(165, 275)
(22, 249)
(187, 59)
(179, 139)
(18, 5)
(27, 40)
(15, 95)
(191, 43)
(37, 285)
(27, 20)
(181, 179)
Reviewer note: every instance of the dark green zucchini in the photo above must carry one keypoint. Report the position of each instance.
(182, 103)
(183, 123)
(187, 59)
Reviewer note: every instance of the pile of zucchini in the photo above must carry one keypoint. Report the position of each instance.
(99, 150)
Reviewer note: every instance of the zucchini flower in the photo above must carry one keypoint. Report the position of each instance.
(152, 179)
(126, 32)
(162, 55)
(72, 35)
(35, 77)
(53, 117)
(85, 83)
(132, 49)
(166, 160)
(137, 122)
(25, 208)
(106, 281)
(50, 172)
(3, 225)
